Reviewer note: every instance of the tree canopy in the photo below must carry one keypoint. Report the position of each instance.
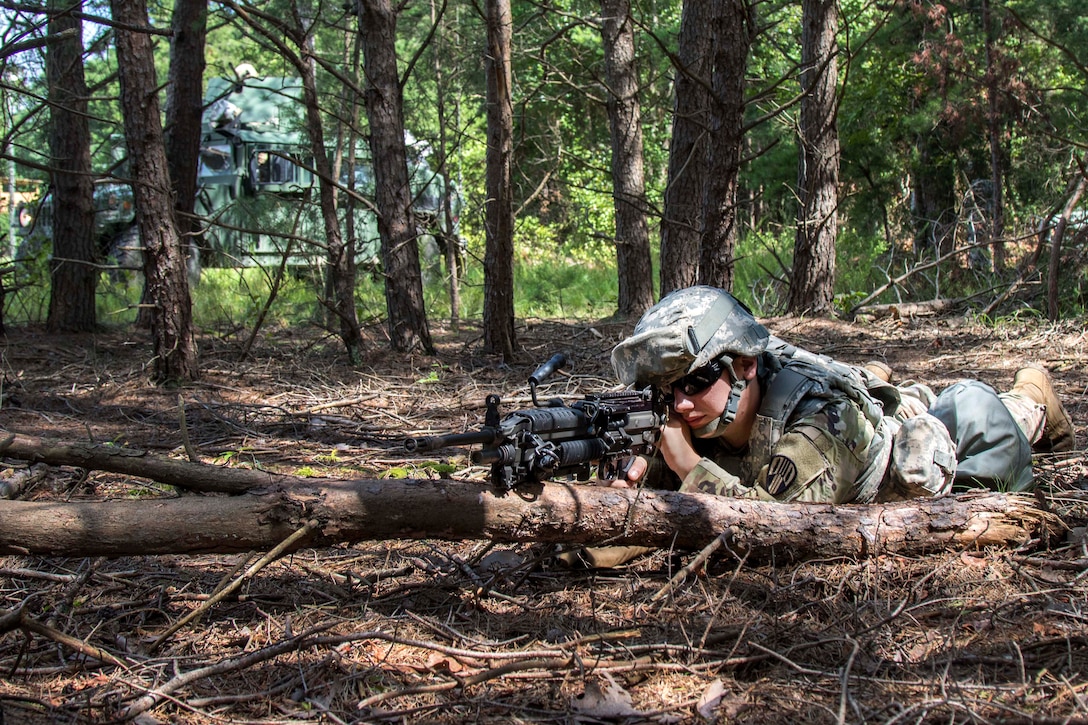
(961, 133)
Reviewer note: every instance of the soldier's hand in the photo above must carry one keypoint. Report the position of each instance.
(910, 407)
(676, 447)
(635, 470)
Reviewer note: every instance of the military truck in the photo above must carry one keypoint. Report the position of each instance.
(257, 195)
(113, 221)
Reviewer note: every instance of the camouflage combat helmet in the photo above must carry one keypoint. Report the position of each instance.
(683, 332)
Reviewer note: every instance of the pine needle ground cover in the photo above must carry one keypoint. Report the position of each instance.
(448, 632)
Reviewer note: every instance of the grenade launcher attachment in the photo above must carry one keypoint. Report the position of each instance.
(555, 441)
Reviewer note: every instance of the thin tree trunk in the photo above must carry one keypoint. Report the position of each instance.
(407, 315)
(341, 272)
(453, 244)
(164, 263)
(994, 123)
(812, 287)
(633, 267)
(681, 226)
(1057, 235)
(933, 193)
(732, 38)
(74, 276)
(499, 335)
(184, 97)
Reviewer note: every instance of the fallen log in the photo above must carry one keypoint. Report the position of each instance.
(352, 511)
(347, 511)
(900, 310)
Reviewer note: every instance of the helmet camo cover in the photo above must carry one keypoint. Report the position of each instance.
(683, 332)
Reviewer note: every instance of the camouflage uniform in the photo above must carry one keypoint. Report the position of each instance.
(826, 432)
(993, 433)
(832, 446)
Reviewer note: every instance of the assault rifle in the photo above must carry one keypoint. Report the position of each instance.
(553, 440)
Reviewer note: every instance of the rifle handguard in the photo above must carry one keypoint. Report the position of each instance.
(559, 441)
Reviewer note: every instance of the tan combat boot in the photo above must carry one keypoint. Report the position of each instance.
(879, 369)
(1033, 381)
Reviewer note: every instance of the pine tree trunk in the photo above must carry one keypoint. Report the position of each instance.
(636, 289)
(682, 223)
(813, 284)
(74, 276)
(499, 335)
(341, 272)
(184, 106)
(164, 262)
(408, 328)
(731, 44)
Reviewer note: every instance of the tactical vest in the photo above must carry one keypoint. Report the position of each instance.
(806, 383)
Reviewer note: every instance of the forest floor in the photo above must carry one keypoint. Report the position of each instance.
(450, 632)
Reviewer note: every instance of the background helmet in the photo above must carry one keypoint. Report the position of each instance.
(683, 332)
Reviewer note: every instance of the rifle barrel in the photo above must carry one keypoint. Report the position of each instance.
(433, 443)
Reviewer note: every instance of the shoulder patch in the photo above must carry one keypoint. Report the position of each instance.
(781, 474)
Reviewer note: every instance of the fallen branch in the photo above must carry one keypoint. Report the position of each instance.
(158, 694)
(232, 587)
(19, 619)
(191, 476)
(21, 481)
(900, 310)
(692, 565)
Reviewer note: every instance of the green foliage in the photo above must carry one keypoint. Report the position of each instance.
(763, 260)
(859, 267)
(911, 114)
(551, 279)
(418, 469)
(554, 276)
(29, 302)
(759, 275)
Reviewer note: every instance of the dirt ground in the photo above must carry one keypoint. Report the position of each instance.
(450, 632)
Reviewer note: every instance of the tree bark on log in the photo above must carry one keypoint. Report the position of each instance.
(347, 511)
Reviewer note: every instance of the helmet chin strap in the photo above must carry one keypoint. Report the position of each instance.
(730, 412)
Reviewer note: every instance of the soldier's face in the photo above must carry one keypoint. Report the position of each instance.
(701, 410)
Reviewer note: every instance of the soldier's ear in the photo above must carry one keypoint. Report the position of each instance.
(745, 367)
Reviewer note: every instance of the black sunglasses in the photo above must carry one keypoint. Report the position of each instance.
(699, 380)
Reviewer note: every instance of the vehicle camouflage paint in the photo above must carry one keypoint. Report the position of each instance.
(256, 193)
